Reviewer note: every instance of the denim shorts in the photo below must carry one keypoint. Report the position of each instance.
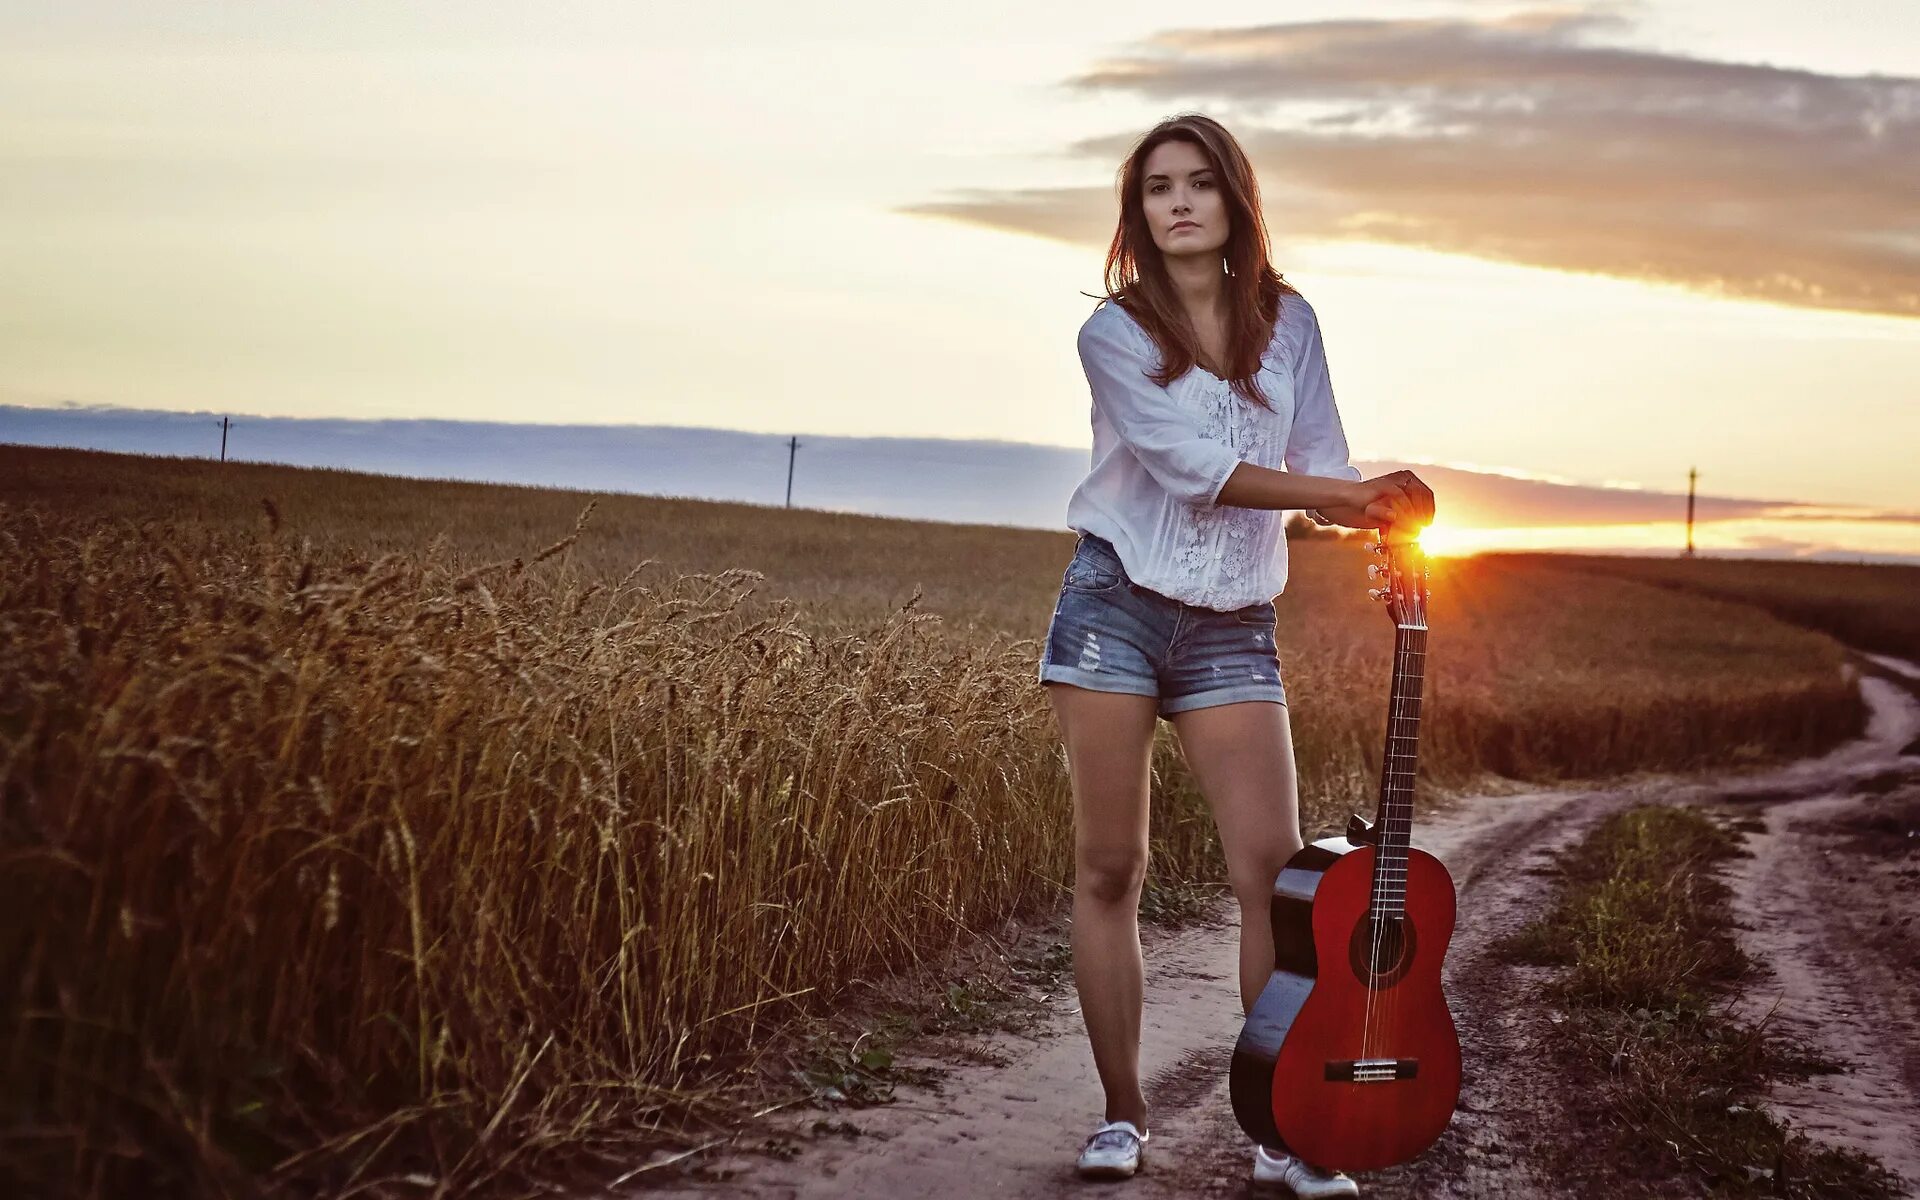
(1112, 635)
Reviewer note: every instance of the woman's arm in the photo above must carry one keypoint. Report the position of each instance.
(1162, 433)
(1317, 444)
(1366, 504)
(1255, 486)
(1348, 515)
(1351, 515)
(1401, 498)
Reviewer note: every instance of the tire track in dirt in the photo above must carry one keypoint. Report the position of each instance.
(1013, 1129)
(1838, 930)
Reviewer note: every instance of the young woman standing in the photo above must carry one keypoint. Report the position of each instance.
(1212, 412)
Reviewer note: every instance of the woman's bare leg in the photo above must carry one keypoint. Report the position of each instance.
(1241, 755)
(1109, 742)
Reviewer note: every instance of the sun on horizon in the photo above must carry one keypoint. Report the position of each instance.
(1441, 540)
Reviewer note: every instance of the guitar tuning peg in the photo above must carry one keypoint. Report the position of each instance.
(1375, 570)
(1369, 547)
(1379, 593)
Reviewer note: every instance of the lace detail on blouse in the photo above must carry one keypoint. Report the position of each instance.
(1239, 533)
(1161, 454)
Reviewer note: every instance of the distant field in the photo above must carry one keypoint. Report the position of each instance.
(345, 803)
(1870, 606)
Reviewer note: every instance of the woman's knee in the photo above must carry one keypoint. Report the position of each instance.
(1110, 874)
(1252, 877)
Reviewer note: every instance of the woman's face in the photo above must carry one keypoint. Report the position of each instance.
(1184, 207)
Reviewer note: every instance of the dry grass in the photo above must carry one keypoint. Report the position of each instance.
(360, 838)
(1642, 925)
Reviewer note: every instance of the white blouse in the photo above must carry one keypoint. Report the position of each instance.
(1161, 456)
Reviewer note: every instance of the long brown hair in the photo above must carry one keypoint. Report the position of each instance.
(1136, 273)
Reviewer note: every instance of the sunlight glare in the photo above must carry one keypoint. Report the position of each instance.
(1438, 540)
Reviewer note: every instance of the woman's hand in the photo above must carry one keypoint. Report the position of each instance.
(1396, 499)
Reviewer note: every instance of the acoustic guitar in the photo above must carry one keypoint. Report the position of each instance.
(1349, 1055)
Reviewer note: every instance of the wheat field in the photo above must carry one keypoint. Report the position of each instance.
(362, 830)
(1870, 606)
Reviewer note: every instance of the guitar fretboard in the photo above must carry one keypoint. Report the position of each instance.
(1393, 823)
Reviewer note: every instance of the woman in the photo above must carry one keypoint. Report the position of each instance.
(1208, 376)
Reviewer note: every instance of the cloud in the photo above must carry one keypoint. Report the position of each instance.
(1522, 139)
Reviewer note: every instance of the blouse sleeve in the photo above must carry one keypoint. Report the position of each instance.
(1316, 444)
(1163, 436)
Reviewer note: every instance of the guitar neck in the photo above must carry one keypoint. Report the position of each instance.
(1394, 820)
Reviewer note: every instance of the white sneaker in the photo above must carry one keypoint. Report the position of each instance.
(1114, 1151)
(1303, 1180)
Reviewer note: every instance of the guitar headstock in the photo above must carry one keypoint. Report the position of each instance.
(1405, 571)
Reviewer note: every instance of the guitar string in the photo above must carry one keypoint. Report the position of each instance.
(1390, 863)
(1383, 852)
(1406, 648)
(1377, 906)
(1376, 901)
(1416, 648)
(1383, 842)
(1387, 842)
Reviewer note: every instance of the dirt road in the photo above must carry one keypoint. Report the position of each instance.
(1829, 904)
(1009, 1123)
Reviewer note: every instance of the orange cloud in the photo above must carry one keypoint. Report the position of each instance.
(1517, 139)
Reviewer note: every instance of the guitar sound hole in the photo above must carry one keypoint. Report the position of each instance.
(1381, 950)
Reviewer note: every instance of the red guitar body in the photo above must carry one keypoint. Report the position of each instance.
(1349, 1058)
(1367, 1068)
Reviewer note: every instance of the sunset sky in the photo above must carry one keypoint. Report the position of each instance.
(1591, 245)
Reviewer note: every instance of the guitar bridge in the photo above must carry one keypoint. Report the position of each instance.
(1372, 1070)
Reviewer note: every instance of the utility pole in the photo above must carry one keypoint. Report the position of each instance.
(224, 422)
(1691, 474)
(793, 444)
